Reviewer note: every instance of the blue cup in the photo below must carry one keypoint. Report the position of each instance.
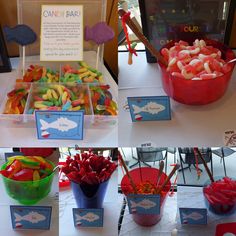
(89, 196)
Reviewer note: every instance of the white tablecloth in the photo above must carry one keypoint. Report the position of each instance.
(190, 125)
(111, 213)
(193, 197)
(163, 228)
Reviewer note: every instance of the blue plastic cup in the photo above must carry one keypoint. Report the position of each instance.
(89, 196)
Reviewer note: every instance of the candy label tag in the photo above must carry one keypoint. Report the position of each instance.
(60, 124)
(88, 217)
(61, 33)
(193, 216)
(149, 108)
(31, 217)
(143, 204)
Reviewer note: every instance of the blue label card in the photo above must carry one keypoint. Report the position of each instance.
(31, 217)
(149, 108)
(193, 216)
(88, 217)
(143, 204)
(60, 124)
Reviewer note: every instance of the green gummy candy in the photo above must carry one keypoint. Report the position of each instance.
(47, 103)
(60, 100)
(43, 90)
(28, 162)
(20, 90)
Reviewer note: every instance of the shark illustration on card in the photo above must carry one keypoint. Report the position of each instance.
(34, 217)
(149, 108)
(60, 124)
(88, 217)
(143, 204)
(195, 216)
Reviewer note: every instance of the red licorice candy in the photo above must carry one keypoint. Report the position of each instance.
(88, 168)
(222, 192)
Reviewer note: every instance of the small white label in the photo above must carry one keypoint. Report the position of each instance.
(61, 33)
(230, 138)
(148, 144)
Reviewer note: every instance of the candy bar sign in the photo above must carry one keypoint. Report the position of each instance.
(61, 33)
(60, 124)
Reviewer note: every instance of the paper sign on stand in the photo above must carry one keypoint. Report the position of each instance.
(149, 108)
(193, 216)
(143, 204)
(61, 33)
(60, 124)
(31, 217)
(88, 217)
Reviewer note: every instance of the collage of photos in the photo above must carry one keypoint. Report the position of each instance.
(117, 118)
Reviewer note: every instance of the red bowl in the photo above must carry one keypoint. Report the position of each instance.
(198, 92)
(148, 174)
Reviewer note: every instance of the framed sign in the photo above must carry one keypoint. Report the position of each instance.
(5, 65)
(163, 21)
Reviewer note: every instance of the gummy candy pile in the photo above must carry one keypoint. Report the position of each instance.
(27, 168)
(195, 62)
(16, 99)
(36, 73)
(58, 97)
(83, 74)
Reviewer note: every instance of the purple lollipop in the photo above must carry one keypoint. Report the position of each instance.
(99, 33)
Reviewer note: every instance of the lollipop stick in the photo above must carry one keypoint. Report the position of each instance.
(176, 167)
(142, 38)
(161, 167)
(196, 151)
(140, 170)
(127, 173)
(23, 60)
(98, 56)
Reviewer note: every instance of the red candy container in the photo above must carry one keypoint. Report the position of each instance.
(198, 92)
(150, 175)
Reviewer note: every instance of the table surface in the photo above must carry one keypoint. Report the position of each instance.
(112, 206)
(27, 136)
(192, 197)
(51, 200)
(189, 126)
(163, 227)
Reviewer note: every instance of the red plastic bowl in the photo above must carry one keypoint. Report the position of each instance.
(149, 174)
(198, 92)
